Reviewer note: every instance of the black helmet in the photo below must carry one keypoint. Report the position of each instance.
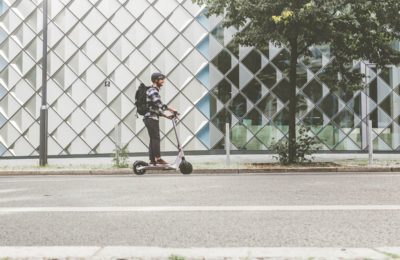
(157, 76)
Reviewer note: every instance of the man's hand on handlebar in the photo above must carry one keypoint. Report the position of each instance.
(173, 110)
(173, 115)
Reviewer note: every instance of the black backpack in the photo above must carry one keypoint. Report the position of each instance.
(141, 100)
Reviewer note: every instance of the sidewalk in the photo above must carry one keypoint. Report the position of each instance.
(254, 163)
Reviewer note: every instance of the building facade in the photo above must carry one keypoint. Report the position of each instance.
(101, 50)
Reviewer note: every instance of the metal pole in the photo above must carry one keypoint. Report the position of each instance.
(227, 145)
(370, 145)
(117, 142)
(44, 107)
(368, 120)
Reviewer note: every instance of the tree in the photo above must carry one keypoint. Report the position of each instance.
(355, 30)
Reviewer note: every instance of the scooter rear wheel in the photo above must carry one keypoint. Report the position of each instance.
(136, 166)
(186, 167)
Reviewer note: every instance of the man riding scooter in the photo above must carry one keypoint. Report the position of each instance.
(151, 118)
(152, 113)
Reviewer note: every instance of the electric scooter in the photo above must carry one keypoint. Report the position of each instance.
(140, 167)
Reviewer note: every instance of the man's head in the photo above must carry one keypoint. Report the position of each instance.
(158, 79)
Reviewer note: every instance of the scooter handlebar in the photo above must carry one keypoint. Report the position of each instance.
(174, 115)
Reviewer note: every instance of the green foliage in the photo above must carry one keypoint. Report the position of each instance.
(175, 257)
(354, 30)
(305, 145)
(121, 157)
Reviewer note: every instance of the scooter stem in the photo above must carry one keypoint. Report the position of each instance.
(174, 122)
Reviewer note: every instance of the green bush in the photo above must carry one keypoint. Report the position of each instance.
(305, 145)
(120, 159)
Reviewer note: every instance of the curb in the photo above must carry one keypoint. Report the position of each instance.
(62, 172)
(126, 252)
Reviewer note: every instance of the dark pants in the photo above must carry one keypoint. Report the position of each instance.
(153, 127)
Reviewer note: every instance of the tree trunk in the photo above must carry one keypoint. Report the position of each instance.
(292, 102)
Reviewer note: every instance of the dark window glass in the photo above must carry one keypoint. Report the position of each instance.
(355, 104)
(328, 76)
(268, 105)
(373, 90)
(218, 34)
(314, 91)
(330, 105)
(313, 60)
(282, 90)
(223, 91)
(386, 105)
(314, 118)
(221, 119)
(253, 61)
(253, 91)
(282, 118)
(397, 90)
(239, 106)
(301, 106)
(345, 119)
(234, 48)
(233, 76)
(282, 61)
(268, 76)
(223, 61)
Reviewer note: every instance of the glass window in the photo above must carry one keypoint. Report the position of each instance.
(314, 91)
(331, 135)
(330, 105)
(218, 34)
(282, 120)
(223, 91)
(386, 105)
(233, 76)
(302, 106)
(282, 61)
(253, 61)
(233, 47)
(253, 91)
(239, 136)
(315, 120)
(268, 76)
(270, 134)
(346, 119)
(239, 105)
(254, 121)
(391, 136)
(254, 145)
(223, 61)
(220, 120)
(328, 76)
(314, 60)
(268, 106)
(282, 90)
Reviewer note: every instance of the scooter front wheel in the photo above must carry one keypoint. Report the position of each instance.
(186, 167)
(136, 167)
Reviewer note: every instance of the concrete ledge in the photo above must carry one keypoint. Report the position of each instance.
(128, 171)
(125, 252)
(365, 169)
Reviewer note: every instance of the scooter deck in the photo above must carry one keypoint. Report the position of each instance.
(159, 167)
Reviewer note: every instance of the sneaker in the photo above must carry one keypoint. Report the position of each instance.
(152, 163)
(161, 161)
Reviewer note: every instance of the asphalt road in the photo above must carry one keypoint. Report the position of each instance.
(290, 210)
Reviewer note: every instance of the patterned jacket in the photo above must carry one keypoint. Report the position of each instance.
(156, 106)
